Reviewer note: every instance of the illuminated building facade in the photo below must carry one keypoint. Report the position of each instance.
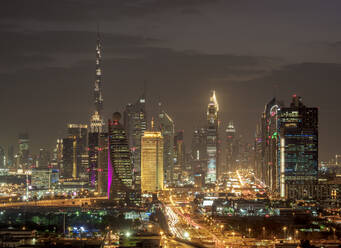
(298, 151)
(152, 162)
(75, 154)
(135, 123)
(79, 133)
(120, 178)
(69, 168)
(212, 140)
(166, 126)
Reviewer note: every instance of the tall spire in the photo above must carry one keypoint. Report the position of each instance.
(96, 120)
(98, 82)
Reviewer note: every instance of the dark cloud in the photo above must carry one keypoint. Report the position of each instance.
(90, 10)
(247, 50)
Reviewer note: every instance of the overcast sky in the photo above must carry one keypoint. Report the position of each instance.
(249, 51)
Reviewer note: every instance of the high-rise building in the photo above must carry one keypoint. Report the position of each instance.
(199, 156)
(97, 125)
(270, 144)
(298, 150)
(258, 153)
(179, 149)
(166, 127)
(212, 140)
(231, 147)
(75, 152)
(120, 178)
(70, 167)
(103, 165)
(179, 169)
(152, 162)
(135, 122)
(23, 151)
(2, 158)
(10, 156)
(96, 120)
(44, 159)
(80, 131)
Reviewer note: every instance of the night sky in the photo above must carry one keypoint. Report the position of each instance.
(249, 51)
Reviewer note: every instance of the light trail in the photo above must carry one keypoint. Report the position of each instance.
(240, 178)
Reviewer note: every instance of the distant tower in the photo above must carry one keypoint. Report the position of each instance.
(212, 139)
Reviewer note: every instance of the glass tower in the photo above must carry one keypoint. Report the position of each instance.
(298, 151)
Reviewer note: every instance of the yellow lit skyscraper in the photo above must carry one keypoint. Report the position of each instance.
(151, 162)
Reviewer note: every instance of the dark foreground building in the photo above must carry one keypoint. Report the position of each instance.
(120, 178)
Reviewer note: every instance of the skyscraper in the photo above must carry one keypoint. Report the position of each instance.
(120, 179)
(179, 149)
(103, 166)
(166, 126)
(2, 158)
(212, 139)
(23, 150)
(10, 156)
(70, 168)
(96, 119)
(57, 156)
(98, 97)
(44, 159)
(135, 123)
(79, 132)
(231, 147)
(270, 144)
(199, 156)
(298, 151)
(152, 162)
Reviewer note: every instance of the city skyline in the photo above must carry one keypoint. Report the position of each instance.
(236, 64)
(170, 123)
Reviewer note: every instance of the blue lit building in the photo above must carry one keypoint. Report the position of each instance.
(298, 150)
